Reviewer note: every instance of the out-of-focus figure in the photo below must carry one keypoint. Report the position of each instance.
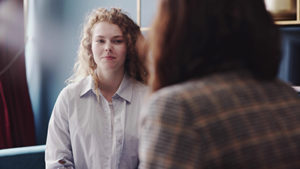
(216, 101)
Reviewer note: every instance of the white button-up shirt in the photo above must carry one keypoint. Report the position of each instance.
(86, 134)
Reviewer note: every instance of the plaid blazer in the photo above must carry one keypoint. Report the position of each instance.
(225, 121)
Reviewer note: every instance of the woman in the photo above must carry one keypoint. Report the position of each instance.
(94, 120)
(216, 101)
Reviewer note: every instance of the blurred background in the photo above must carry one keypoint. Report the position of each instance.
(34, 70)
(52, 35)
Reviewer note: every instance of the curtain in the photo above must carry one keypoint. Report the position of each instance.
(16, 115)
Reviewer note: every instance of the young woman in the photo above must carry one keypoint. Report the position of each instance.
(94, 121)
(217, 102)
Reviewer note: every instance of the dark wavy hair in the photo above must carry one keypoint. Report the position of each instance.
(195, 38)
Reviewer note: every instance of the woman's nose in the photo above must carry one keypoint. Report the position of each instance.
(108, 47)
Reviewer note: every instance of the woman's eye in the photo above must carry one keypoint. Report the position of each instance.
(117, 41)
(100, 41)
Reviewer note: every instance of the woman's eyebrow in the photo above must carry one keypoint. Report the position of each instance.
(116, 36)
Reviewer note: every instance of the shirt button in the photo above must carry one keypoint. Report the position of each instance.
(62, 161)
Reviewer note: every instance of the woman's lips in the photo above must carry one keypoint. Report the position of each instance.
(109, 57)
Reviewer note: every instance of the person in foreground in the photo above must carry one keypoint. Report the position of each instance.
(95, 119)
(216, 102)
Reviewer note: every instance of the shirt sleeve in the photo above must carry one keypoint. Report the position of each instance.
(58, 145)
(167, 140)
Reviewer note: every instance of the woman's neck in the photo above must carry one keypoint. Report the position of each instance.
(109, 83)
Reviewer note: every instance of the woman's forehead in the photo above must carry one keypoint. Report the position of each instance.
(106, 29)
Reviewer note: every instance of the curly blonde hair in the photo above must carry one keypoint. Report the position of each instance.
(85, 64)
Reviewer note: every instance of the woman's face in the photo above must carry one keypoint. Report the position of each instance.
(108, 47)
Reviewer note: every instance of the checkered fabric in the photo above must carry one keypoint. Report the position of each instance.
(225, 121)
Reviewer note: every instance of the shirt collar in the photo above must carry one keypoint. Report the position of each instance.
(88, 85)
(124, 90)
